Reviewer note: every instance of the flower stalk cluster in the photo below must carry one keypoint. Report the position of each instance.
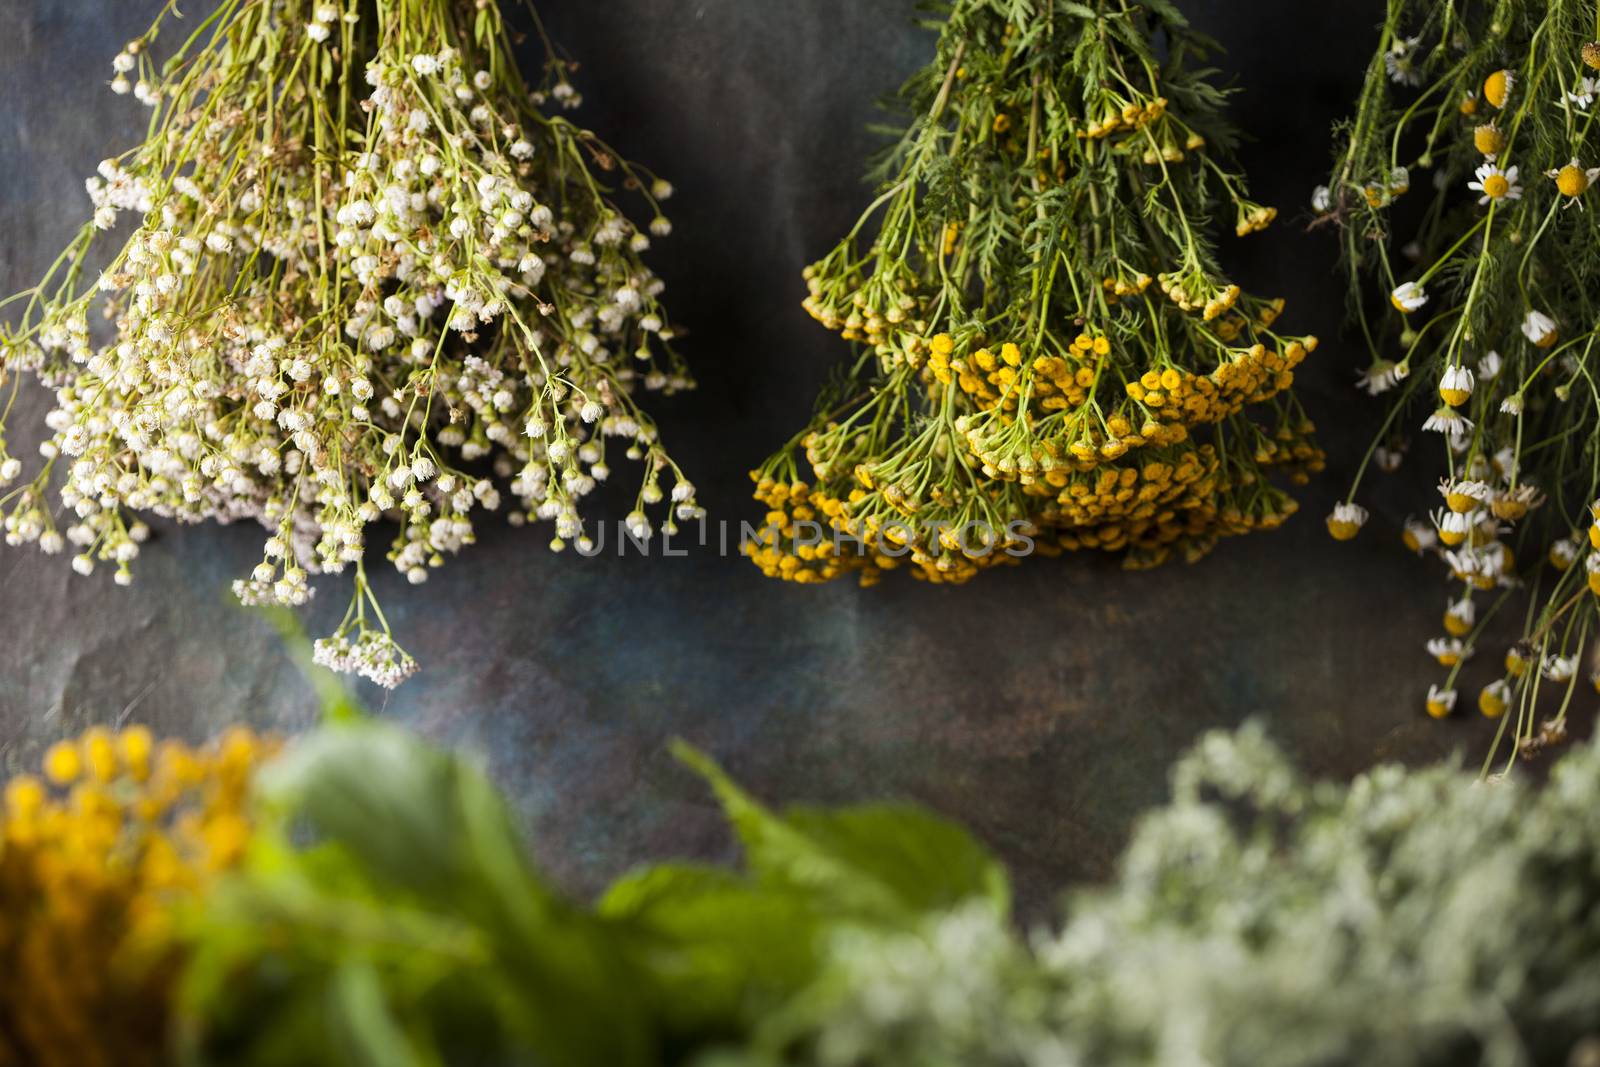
(1486, 339)
(375, 276)
(1050, 350)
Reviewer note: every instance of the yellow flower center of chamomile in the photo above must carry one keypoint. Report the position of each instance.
(1460, 503)
(1594, 582)
(1509, 509)
(1491, 703)
(1496, 87)
(1495, 186)
(1438, 708)
(1343, 529)
(1454, 397)
(1489, 140)
(1572, 180)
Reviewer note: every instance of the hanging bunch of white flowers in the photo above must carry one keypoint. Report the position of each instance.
(376, 275)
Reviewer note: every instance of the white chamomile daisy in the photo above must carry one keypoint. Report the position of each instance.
(1382, 376)
(1495, 183)
(1459, 617)
(1497, 87)
(1419, 536)
(1540, 329)
(1408, 297)
(1564, 553)
(1346, 520)
(1455, 526)
(1441, 702)
(1447, 420)
(1464, 496)
(1560, 669)
(1456, 385)
(1401, 61)
(1573, 180)
(1581, 95)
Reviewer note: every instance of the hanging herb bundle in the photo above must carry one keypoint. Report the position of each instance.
(1052, 356)
(1488, 331)
(376, 276)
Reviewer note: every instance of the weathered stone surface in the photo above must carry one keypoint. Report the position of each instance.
(1040, 705)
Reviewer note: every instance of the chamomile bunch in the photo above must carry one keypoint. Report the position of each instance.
(1052, 357)
(376, 276)
(1485, 341)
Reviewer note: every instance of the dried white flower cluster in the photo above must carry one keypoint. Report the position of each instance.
(1411, 918)
(372, 279)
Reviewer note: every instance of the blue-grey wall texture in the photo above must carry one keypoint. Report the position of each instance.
(1041, 705)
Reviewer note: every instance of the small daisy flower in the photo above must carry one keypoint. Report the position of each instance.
(1346, 520)
(1321, 199)
(1401, 61)
(1494, 698)
(1582, 94)
(1381, 377)
(1456, 385)
(1573, 180)
(1455, 526)
(1490, 140)
(1559, 669)
(1496, 184)
(1511, 405)
(1459, 617)
(1480, 566)
(1464, 496)
(1408, 297)
(1497, 87)
(1564, 553)
(1447, 420)
(1418, 536)
(1441, 702)
(1540, 329)
(1489, 365)
(1513, 504)
(1449, 651)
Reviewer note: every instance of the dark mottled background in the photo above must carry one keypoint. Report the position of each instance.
(1041, 705)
